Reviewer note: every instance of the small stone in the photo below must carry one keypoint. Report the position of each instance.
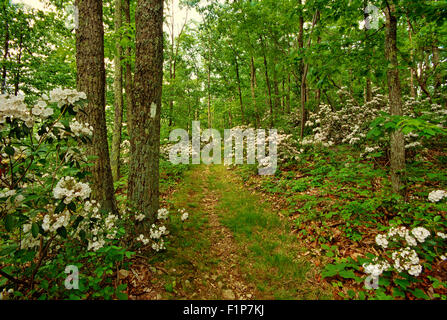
(228, 294)
(123, 274)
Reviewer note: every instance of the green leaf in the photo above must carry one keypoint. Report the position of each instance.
(60, 207)
(418, 293)
(10, 222)
(9, 150)
(62, 232)
(122, 296)
(35, 229)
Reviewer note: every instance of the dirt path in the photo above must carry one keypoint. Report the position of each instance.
(231, 247)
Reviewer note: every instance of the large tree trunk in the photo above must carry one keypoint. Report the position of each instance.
(118, 93)
(91, 80)
(397, 137)
(143, 189)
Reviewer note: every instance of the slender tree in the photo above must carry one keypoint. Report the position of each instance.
(91, 80)
(395, 95)
(143, 192)
(118, 94)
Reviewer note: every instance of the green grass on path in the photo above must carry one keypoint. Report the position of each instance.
(267, 253)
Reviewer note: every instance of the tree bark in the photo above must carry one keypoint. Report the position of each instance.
(5, 55)
(397, 138)
(253, 88)
(304, 78)
(267, 81)
(143, 188)
(91, 80)
(128, 76)
(238, 80)
(118, 93)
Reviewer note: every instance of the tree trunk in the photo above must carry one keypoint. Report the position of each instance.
(267, 81)
(397, 138)
(238, 79)
(209, 82)
(253, 88)
(19, 65)
(118, 93)
(412, 71)
(143, 189)
(5, 56)
(128, 76)
(304, 78)
(91, 80)
(288, 95)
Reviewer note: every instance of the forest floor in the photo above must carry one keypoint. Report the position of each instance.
(234, 245)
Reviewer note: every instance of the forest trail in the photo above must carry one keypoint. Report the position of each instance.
(233, 246)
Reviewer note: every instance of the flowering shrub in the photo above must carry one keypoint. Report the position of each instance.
(404, 254)
(45, 205)
(436, 196)
(351, 124)
(158, 230)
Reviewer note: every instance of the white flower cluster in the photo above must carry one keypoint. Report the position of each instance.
(377, 268)
(159, 246)
(406, 259)
(97, 228)
(402, 233)
(162, 214)
(14, 107)
(11, 200)
(41, 110)
(156, 232)
(51, 222)
(68, 189)
(184, 215)
(80, 129)
(350, 124)
(141, 238)
(66, 96)
(442, 235)
(140, 217)
(436, 196)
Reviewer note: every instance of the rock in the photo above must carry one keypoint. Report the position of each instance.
(123, 274)
(228, 294)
